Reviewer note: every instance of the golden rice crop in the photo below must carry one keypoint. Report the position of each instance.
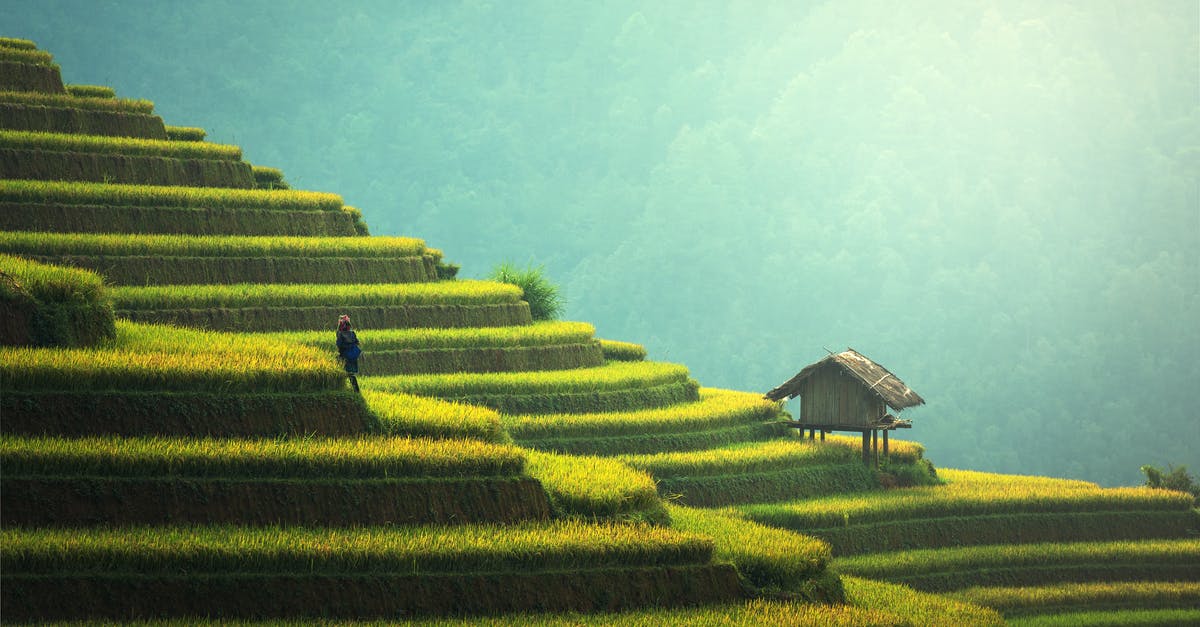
(595, 487)
(313, 295)
(563, 545)
(740, 458)
(613, 376)
(80, 193)
(101, 244)
(918, 608)
(324, 458)
(124, 105)
(716, 408)
(120, 145)
(51, 283)
(32, 57)
(185, 133)
(977, 478)
(542, 333)
(904, 451)
(147, 357)
(622, 351)
(765, 556)
(405, 414)
(963, 496)
(1012, 600)
(17, 43)
(1112, 618)
(899, 563)
(91, 91)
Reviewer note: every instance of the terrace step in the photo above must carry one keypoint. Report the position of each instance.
(16, 116)
(18, 76)
(719, 418)
(1062, 598)
(49, 165)
(948, 569)
(366, 572)
(616, 386)
(312, 482)
(69, 218)
(281, 318)
(185, 270)
(983, 508)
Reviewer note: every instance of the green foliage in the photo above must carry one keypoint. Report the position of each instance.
(43, 99)
(91, 91)
(347, 458)
(163, 196)
(536, 334)
(1175, 478)
(172, 220)
(595, 488)
(47, 305)
(269, 178)
(185, 133)
(766, 558)
(622, 351)
(118, 145)
(545, 302)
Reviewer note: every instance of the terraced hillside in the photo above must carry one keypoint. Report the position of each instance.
(493, 464)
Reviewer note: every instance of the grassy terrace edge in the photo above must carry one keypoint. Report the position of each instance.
(107, 245)
(42, 99)
(77, 193)
(64, 142)
(313, 295)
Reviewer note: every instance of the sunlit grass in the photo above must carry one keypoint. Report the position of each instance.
(313, 295)
(99, 244)
(119, 145)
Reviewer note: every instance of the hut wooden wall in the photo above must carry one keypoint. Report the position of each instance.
(830, 396)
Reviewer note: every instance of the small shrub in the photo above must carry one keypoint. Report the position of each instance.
(545, 303)
(1175, 478)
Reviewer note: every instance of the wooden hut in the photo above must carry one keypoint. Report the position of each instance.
(849, 392)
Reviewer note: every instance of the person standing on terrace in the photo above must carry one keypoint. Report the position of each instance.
(348, 350)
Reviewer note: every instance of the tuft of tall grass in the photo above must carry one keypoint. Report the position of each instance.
(64, 142)
(48, 305)
(545, 301)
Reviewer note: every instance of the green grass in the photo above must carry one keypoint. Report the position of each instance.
(18, 44)
(269, 178)
(508, 359)
(63, 142)
(418, 416)
(613, 376)
(91, 91)
(165, 358)
(316, 458)
(594, 488)
(622, 351)
(899, 451)
(1120, 618)
(1025, 600)
(917, 608)
(716, 409)
(766, 558)
(163, 196)
(245, 316)
(108, 245)
(160, 551)
(313, 295)
(536, 334)
(31, 57)
(47, 305)
(185, 133)
(1030, 564)
(42, 99)
(15, 216)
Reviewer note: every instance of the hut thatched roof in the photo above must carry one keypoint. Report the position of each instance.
(876, 378)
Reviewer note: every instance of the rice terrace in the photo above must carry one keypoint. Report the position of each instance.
(180, 442)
